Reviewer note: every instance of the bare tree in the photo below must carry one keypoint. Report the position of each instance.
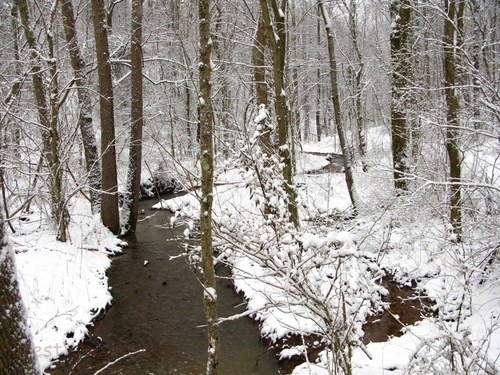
(401, 65)
(453, 17)
(206, 200)
(137, 119)
(48, 116)
(357, 71)
(346, 152)
(109, 199)
(276, 34)
(85, 124)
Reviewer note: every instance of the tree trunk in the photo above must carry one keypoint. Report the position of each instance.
(137, 119)
(277, 37)
(109, 199)
(48, 114)
(92, 161)
(206, 159)
(400, 52)
(16, 349)
(358, 70)
(318, 82)
(346, 152)
(259, 78)
(452, 120)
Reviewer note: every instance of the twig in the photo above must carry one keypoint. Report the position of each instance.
(118, 359)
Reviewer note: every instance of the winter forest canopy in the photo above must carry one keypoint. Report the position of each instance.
(244, 105)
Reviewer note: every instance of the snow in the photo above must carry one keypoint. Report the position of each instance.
(64, 285)
(262, 115)
(403, 240)
(210, 293)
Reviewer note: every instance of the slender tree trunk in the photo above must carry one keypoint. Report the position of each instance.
(137, 119)
(259, 77)
(109, 199)
(206, 159)
(276, 34)
(61, 214)
(318, 80)
(452, 105)
(16, 349)
(358, 70)
(401, 65)
(48, 117)
(85, 124)
(8, 101)
(346, 152)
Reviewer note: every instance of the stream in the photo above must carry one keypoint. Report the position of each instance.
(159, 307)
(155, 323)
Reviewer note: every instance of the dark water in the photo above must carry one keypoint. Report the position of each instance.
(159, 307)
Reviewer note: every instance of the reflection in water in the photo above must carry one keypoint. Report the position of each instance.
(158, 307)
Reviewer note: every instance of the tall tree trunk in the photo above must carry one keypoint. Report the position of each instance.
(259, 77)
(85, 124)
(358, 70)
(277, 38)
(452, 120)
(346, 152)
(109, 199)
(137, 119)
(318, 80)
(16, 349)
(48, 117)
(206, 161)
(401, 65)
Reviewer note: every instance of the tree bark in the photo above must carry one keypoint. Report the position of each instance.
(137, 119)
(400, 52)
(452, 120)
(85, 124)
(109, 198)
(16, 349)
(206, 161)
(346, 152)
(48, 114)
(358, 71)
(277, 39)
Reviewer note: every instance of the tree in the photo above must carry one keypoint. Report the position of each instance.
(206, 199)
(346, 152)
(16, 350)
(357, 72)
(137, 119)
(85, 124)
(109, 199)
(48, 116)
(276, 34)
(401, 65)
(453, 17)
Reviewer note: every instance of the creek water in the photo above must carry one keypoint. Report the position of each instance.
(159, 307)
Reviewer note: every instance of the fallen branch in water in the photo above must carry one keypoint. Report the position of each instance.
(118, 359)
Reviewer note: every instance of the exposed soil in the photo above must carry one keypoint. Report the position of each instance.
(406, 307)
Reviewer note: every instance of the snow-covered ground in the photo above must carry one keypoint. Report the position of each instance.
(408, 237)
(64, 285)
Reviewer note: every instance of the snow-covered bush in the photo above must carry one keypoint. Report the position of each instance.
(297, 282)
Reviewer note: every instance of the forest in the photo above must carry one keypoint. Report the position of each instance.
(328, 153)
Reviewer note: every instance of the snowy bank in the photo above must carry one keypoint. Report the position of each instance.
(63, 285)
